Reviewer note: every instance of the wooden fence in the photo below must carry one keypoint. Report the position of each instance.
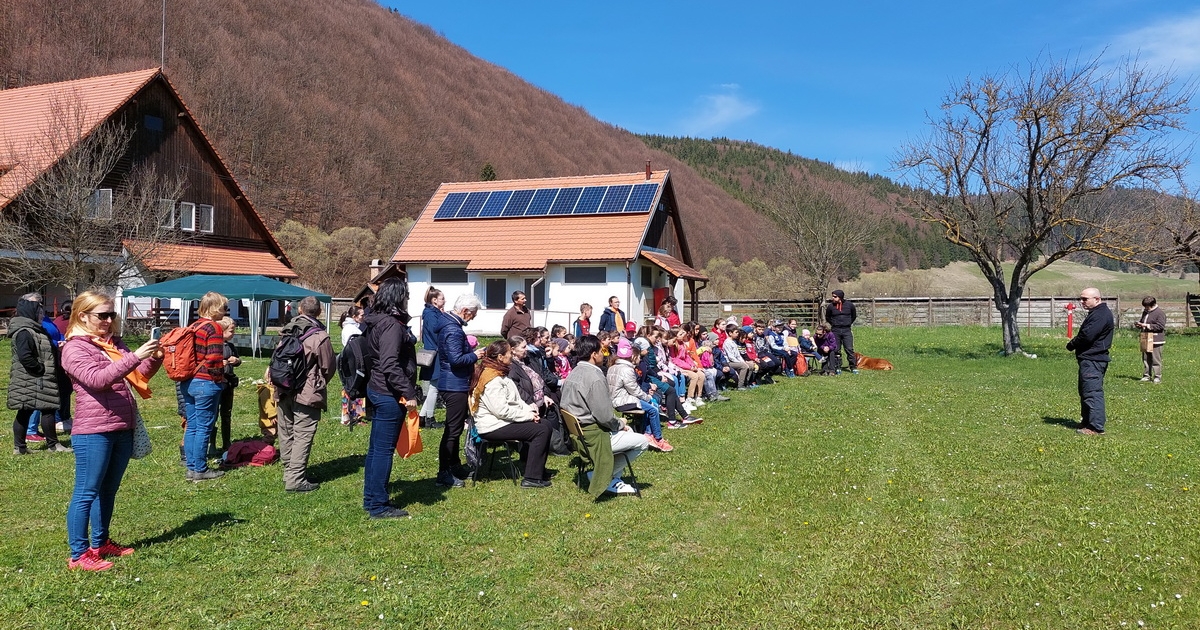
(1036, 312)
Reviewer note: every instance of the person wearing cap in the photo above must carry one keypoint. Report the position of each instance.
(840, 315)
(613, 318)
(627, 396)
(518, 319)
(631, 331)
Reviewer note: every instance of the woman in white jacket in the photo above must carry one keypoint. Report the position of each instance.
(501, 415)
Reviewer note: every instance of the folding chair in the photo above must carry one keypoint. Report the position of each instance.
(583, 459)
(488, 453)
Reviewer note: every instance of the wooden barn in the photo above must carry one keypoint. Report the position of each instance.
(212, 227)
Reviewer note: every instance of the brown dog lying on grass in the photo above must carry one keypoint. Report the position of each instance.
(867, 363)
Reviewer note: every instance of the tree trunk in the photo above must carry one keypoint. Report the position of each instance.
(1012, 329)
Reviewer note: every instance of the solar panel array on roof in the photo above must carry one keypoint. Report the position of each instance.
(617, 199)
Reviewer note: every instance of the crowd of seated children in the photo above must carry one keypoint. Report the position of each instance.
(627, 395)
(655, 368)
(779, 349)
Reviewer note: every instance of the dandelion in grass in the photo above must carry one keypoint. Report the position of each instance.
(365, 603)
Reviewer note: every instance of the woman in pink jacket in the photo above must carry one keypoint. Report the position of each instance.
(104, 374)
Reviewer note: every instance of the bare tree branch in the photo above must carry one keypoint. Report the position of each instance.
(1019, 166)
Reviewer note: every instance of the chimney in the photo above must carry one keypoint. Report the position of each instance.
(375, 267)
(648, 171)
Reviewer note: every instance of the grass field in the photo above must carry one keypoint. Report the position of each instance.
(950, 493)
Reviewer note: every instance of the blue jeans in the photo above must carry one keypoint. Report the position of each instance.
(100, 462)
(200, 400)
(653, 421)
(386, 416)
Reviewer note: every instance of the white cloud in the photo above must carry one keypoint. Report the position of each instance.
(717, 111)
(1173, 42)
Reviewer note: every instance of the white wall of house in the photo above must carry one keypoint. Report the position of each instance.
(562, 297)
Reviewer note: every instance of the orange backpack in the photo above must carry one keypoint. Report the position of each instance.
(179, 353)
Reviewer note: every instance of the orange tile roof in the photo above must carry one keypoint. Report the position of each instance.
(527, 243)
(673, 265)
(215, 260)
(29, 116)
(31, 119)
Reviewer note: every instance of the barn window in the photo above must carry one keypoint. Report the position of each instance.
(585, 275)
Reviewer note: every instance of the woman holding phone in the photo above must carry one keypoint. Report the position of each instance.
(104, 374)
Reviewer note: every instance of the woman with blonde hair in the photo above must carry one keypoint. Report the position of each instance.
(202, 392)
(104, 374)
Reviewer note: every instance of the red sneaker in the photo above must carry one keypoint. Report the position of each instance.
(111, 549)
(35, 438)
(90, 561)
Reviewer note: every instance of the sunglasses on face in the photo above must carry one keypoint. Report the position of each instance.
(106, 316)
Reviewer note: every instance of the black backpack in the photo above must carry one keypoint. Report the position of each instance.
(289, 366)
(353, 368)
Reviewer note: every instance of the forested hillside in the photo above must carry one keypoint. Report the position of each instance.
(341, 112)
(748, 171)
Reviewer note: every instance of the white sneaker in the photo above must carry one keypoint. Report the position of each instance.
(689, 406)
(620, 487)
(699, 402)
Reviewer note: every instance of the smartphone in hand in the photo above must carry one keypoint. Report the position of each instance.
(155, 333)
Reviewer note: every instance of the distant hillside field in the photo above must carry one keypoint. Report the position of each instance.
(1063, 278)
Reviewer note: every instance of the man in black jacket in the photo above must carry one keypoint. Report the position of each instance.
(1091, 346)
(840, 315)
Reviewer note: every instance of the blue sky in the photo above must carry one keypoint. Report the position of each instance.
(843, 83)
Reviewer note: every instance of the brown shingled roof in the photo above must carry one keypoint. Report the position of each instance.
(527, 243)
(214, 260)
(673, 265)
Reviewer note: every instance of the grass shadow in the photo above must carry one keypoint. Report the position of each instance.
(343, 466)
(195, 525)
(417, 492)
(1062, 422)
(984, 351)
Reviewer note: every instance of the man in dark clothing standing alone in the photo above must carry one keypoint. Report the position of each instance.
(840, 315)
(1091, 346)
(518, 319)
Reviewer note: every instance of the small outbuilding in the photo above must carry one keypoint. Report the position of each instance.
(563, 241)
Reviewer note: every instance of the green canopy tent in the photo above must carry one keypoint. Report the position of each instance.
(257, 289)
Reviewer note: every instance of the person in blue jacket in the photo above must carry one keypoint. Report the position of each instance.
(456, 365)
(432, 320)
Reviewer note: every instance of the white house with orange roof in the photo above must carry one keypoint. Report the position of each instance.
(224, 233)
(562, 240)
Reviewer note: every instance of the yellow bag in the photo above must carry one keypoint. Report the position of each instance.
(267, 410)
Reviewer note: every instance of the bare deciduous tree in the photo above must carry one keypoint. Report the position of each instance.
(66, 230)
(1016, 168)
(825, 232)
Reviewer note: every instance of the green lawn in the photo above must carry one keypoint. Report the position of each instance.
(947, 494)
